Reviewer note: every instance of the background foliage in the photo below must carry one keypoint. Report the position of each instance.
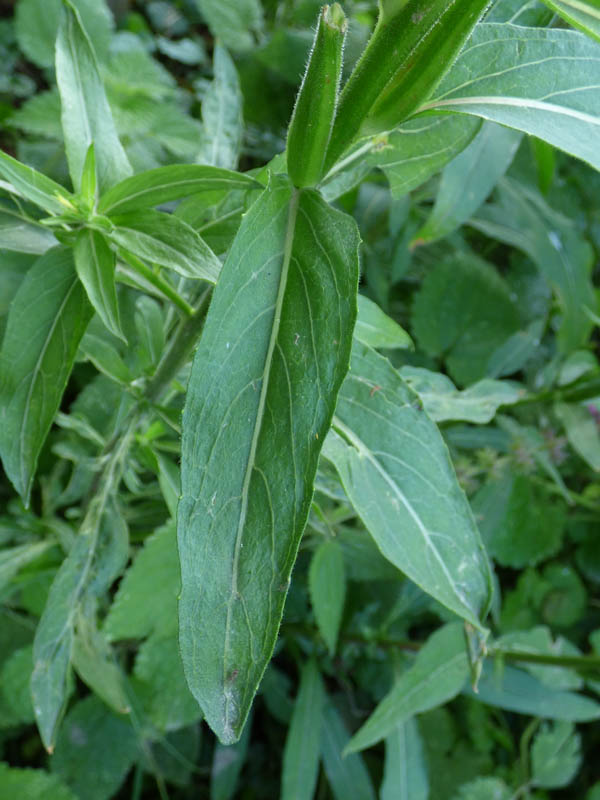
(478, 284)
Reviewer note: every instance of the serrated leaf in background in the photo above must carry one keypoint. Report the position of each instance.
(327, 586)
(555, 755)
(95, 750)
(462, 313)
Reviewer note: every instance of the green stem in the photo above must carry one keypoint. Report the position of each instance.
(588, 663)
(179, 350)
(575, 394)
(159, 283)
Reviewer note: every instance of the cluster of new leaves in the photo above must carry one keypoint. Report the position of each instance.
(196, 399)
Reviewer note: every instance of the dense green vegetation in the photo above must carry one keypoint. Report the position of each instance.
(262, 536)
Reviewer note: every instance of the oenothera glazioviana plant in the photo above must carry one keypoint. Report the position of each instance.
(281, 376)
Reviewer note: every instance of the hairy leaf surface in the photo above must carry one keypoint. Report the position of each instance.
(264, 381)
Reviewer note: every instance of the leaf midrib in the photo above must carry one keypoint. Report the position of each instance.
(287, 255)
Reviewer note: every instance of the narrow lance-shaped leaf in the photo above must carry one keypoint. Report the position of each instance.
(86, 115)
(314, 112)
(46, 321)
(164, 184)
(412, 47)
(32, 185)
(405, 773)
(222, 113)
(347, 775)
(263, 387)
(327, 586)
(166, 240)
(440, 671)
(95, 265)
(397, 473)
(468, 180)
(503, 74)
(303, 742)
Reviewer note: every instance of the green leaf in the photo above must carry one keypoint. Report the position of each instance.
(347, 775)
(314, 112)
(161, 685)
(463, 312)
(484, 789)
(468, 180)
(95, 750)
(37, 23)
(409, 52)
(105, 358)
(503, 75)
(440, 671)
(165, 184)
(443, 401)
(32, 185)
(95, 266)
(405, 774)
(222, 114)
(303, 742)
(518, 691)
(521, 524)
(396, 471)
(36, 359)
(146, 600)
(273, 354)
(539, 640)
(96, 665)
(582, 14)
(32, 784)
(234, 22)
(22, 235)
(555, 244)
(327, 585)
(419, 148)
(86, 115)
(166, 240)
(376, 329)
(15, 676)
(12, 559)
(227, 764)
(582, 432)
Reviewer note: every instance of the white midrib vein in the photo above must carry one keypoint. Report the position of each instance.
(287, 255)
(356, 442)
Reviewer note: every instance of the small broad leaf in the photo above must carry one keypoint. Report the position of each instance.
(303, 742)
(555, 755)
(440, 671)
(502, 75)
(347, 775)
(259, 403)
(86, 115)
(33, 784)
(95, 265)
(468, 180)
(234, 22)
(96, 665)
(327, 584)
(484, 789)
(396, 471)
(376, 329)
(95, 750)
(518, 691)
(165, 184)
(443, 401)
(582, 432)
(554, 243)
(166, 240)
(222, 114)
(405, 773)
(32, 185)
(582, 14)
(46, 321)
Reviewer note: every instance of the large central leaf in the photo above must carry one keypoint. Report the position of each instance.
(263, 387)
